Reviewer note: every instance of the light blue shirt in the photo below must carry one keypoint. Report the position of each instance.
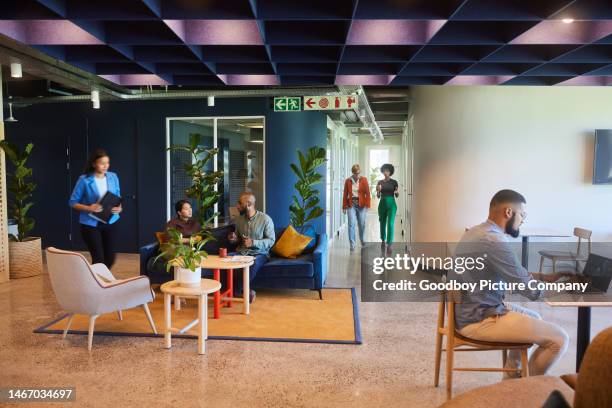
(260, 229)
(86, 192)
(501, 265)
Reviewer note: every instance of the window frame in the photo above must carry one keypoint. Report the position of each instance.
(215, 165)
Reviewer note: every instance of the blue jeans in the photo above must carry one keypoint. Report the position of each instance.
(356, 215)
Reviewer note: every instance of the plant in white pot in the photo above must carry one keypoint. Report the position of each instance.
(185, 255)
(25, 255)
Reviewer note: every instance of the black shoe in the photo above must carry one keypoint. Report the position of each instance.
(382, 245)
(252, 295)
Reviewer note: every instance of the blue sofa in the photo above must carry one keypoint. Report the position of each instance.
(305, 272)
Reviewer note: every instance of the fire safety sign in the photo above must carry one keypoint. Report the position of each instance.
(330, 102)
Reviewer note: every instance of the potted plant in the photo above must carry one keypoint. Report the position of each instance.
(25, 254)
(185, 255)
(305, 207)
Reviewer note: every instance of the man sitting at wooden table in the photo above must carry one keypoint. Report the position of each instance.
(483, 314)
(254, 235)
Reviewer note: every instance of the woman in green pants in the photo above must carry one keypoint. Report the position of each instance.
(387, 190)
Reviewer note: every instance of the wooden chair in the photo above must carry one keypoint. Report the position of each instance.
(455, 342)
(577, 257)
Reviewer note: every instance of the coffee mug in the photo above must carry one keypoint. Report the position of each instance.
(222, 252)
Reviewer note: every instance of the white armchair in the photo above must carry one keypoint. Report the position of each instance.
(81, 288)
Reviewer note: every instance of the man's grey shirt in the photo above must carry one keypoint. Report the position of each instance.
(490, 241)
(260, 228)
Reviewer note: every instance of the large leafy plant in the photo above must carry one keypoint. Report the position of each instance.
(203, 183)
(183, 254)
(20, 187)
(305, 206)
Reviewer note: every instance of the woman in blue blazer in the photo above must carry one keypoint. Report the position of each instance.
(87, 193)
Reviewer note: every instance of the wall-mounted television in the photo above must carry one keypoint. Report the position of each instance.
(602, 165)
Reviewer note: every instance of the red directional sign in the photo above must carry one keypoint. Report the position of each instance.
(331, 102)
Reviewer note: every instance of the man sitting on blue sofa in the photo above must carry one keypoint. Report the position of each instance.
(254, 236)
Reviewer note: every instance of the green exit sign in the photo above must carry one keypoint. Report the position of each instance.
(287, 104)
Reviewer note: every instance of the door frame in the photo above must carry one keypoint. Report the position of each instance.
(214, 119)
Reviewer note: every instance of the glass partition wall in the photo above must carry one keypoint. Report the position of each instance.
(240, 141)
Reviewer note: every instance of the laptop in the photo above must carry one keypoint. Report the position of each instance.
(598, 272)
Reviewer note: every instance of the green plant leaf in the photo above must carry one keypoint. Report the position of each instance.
(307, 177)
(315, 213)
(26, 208)
(203, 181)
(303, 162)
(316, 179)
(22, 172)
(194, 141)
(312, 203)
(295, 169)
(19, 187)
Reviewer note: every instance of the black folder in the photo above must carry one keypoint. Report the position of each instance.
(107, 202)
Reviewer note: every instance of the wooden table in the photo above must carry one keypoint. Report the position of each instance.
(535, 233)
(583, 331)
(201, 293)
(217, 264)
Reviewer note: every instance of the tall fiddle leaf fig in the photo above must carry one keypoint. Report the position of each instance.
(305, 206)
(20, 188)
(203, 182)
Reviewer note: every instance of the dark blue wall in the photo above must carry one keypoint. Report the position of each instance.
(285, 134)
(134, 133)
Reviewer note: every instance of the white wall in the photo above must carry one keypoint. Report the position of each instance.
(473, 141)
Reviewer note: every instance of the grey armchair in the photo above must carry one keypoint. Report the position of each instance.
(81, 288)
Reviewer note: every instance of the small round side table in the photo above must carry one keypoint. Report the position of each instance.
(216, 263)
(173, 288)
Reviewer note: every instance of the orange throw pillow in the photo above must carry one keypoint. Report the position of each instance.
(291, 243)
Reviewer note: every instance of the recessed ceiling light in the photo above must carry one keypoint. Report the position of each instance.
(568, 20)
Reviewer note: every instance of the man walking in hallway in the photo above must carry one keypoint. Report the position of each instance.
(355, 203)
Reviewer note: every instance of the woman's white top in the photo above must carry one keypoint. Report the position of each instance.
(102, 185)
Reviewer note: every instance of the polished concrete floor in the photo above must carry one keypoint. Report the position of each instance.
(393, 367)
